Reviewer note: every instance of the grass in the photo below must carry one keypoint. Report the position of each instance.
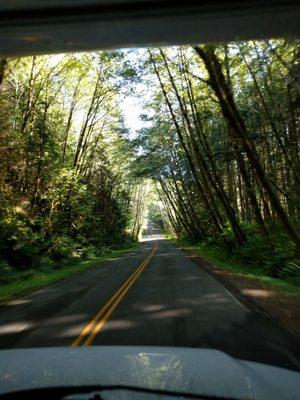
(216, 256)
(40, 279)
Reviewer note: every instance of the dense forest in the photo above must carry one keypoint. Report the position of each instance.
(220, 145)
(223, 147)
(67, 191)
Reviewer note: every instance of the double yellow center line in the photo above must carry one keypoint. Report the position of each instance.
(88, 334)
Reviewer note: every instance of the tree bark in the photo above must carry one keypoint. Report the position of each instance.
(232, 115)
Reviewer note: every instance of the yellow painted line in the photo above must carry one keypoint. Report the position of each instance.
(104, 313)
(114, 305)
(90, 325)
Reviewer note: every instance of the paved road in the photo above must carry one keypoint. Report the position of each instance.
(170, 301)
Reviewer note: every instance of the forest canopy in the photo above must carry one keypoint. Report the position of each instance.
(219, 146)
(67, 190)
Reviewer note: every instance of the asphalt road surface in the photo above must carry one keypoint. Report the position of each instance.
(155, 295)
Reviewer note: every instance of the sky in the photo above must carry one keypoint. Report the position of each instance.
(132, 105)
(132, 109)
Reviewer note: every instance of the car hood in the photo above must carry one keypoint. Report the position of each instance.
(185, 370)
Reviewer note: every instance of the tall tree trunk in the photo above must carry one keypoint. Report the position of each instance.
(232, 115)
(188, 156)
(70, 118)
(212, 175)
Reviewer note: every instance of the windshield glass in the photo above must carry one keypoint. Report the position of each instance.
(150, 197)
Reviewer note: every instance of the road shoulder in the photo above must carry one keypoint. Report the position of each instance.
(39, 279)
(258, 296)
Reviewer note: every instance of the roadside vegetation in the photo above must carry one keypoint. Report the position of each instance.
(220, 146)
(223, 148)
(21, 283)
(67, 189)
(231, 262)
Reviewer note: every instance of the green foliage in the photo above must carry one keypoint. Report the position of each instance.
(154, 215)
(65, 163)
(16, 284)
(257, 251)
(258, 255)
(222, 259)
(63, 248)
(73, 184)
(222, 143)
(275, 258)
(18, 242)
(291, 269)
(6, 272)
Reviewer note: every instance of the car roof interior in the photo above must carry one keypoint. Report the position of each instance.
(54, 26)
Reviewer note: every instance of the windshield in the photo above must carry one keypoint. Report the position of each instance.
(150, 197)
